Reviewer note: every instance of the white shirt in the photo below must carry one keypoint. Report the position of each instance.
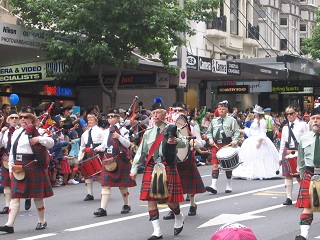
(97, 135)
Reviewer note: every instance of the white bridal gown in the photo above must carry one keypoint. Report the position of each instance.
(257, 163)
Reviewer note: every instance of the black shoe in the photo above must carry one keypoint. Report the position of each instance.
(154, 237)
(125, 209)
(210, 189)
(188, 198)
(5, 210)
(192, 210)
(169, 216)
(88, 198)
(100, 212)
(177, 230)
(41, 226)
(288, 201)
(27, 204)
(7, 229)
(228, 191)
(300, 238)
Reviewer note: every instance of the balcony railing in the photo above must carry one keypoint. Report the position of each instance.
(253, 32)
(220, 23)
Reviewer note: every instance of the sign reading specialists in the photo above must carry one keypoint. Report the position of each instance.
(205, 64)
(233, 89)
(30, 72)
(219, 66)
(233, 68)
(192, 62)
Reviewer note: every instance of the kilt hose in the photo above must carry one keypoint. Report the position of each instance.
(289, 166)
(191, 181)
(36, 183)
(119, 177)
(5, 177)
(214, 150)
(173, 184)
(304, 200)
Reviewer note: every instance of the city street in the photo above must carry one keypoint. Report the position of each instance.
(256, 204)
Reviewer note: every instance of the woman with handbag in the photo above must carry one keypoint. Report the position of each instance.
(115, 172)
(29, 177)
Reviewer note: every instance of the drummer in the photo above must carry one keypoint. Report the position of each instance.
(116, 144)
(90, 139)
(222, 131)
(191, 180)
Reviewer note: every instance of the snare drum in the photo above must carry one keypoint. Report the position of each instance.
(228, 158)
(90, 166)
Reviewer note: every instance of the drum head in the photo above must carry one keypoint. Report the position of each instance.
(183, 126)
(226, 152)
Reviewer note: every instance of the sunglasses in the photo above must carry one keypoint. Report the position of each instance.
(112, 116)
(178, 110)
(24, 117)
(291, 113)
(13, 117)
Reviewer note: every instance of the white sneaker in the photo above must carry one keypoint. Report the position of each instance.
(72, 181)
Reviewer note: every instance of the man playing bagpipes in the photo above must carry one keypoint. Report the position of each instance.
(309, 170)
(291, 134)
(160, 180)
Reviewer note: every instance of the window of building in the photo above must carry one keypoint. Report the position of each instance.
(303, 27)
(234, 25)
(262, 13)
(284, 21)
(283, 44)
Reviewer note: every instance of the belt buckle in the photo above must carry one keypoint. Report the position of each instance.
(19, 157)
(219, 141)
(316, 171)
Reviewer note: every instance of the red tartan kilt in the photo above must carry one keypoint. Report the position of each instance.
(289, 166)
(214, 150)
(191, 181)
(118, 178)
(36, 184)
(304, 200)
(173, 183)
(5, 177)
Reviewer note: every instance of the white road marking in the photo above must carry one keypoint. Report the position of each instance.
(147, 214)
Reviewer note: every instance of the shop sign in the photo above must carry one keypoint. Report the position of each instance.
(257, 86)
(205, 64)
(162, 80)
(233, 68)
(56, 91)
(290, 89)
(233, 89)
(31, 72)
(133, 81)
(305, 90)
(192, 62)
(219, 66)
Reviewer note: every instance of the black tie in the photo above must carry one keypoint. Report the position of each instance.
(89, 138)
(317, 151)
(218, 131)
(156, 153)
(292, 125)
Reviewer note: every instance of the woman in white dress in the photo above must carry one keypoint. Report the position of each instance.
(258, 154)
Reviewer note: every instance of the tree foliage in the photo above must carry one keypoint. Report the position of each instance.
(107, 31)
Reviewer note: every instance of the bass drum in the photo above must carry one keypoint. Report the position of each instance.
(183, 126)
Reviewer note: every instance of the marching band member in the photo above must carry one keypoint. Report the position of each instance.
(116, 146)
(90, 139)
(191, 181)
(5, 136)
(222, 131)
(288, 147)
(170, 187)
(31, 179)
(309, 167)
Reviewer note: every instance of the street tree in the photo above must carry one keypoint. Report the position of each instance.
(106, 32)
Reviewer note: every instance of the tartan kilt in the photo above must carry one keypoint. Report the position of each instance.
(289, 166)
(120, 177)
(214, 150)
(173, 184)
(304, 200)
(5, 177)
(191, 181)
(36, 184)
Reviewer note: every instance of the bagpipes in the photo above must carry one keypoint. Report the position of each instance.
(45, 116)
